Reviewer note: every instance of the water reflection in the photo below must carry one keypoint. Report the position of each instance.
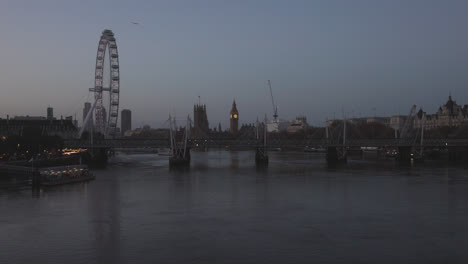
(234, 156)
(225, 209)
(104, 219)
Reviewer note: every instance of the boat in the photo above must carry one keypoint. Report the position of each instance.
(52, 176)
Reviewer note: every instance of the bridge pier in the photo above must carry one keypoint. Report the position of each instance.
(179, 161)
(334, 157)
(465, 157)
(457, 154)
(111, 152)
(261, 157)
(96, 157)
(404, 155)
(36, 179)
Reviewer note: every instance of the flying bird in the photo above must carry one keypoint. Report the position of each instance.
(135, 23)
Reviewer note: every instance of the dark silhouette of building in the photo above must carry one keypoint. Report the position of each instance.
(70, 118)
(126, 121)
(86, 109)
(234, 117)
(50, 113)
(40, 127)
(200, 120)
(28, 118)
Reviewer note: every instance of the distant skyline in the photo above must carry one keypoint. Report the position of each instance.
(323, 57)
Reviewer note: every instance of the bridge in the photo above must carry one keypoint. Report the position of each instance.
(336, 150)
(273, 143)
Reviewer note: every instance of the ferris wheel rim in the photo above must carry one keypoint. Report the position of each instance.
(107, 124)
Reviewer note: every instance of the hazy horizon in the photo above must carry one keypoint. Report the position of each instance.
(365, 58)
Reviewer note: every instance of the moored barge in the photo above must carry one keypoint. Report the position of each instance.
(64, 175)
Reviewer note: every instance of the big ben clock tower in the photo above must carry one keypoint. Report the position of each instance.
(234, 117)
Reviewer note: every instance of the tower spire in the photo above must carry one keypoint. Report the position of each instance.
(234, 106)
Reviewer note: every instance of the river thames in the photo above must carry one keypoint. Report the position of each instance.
(224, 210)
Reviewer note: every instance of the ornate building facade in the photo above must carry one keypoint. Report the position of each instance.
(200, 121)
(448, 115)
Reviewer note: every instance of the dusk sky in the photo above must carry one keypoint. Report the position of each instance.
(366, 57)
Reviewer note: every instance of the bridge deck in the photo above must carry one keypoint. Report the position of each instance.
(164, 143)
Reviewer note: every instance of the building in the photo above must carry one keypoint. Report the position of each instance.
(381, 120)
(278, 125)
(70, 118)
(41, 127)
(148, 132)
(297, 125)
(50, 113)
(448, 115)
(86, 109)
(234, 118)
(29, 118)
(364, 120)
(247, 131)
(125, 121)
(397, 122)
(200, 121)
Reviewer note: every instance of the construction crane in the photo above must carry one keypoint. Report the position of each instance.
(408, 123)
(275, 107)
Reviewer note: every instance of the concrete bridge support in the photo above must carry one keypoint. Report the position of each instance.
(404, 155)
(334, 156)
(465, 157)
(36, 179)
(96, 157)
(458, 154)
(180, 160)
(261, 157)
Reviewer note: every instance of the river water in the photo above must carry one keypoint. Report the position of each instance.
(224, 210)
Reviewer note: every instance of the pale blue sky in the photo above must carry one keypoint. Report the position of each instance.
(321, 56)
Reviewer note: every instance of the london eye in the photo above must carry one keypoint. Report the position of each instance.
(106, 121)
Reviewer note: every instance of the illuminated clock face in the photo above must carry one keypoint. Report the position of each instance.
(235, 116)
(231, 115)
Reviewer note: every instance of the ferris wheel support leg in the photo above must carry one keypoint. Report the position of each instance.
(88, 117)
